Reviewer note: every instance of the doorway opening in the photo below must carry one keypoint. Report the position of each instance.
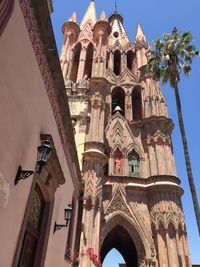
(118, 238)
(114, 259)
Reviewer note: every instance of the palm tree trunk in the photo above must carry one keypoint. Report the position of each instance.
(187, 157)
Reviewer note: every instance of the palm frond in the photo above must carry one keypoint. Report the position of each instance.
(171, 56)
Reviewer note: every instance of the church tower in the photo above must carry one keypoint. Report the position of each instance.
(132, 197)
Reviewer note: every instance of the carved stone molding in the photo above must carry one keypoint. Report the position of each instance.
(92, 188)
(4, 191)
(6, 8)
(158, 138)
(100, 85)
(165, 208)
(96, 100)
(117, 204)
(141, 43)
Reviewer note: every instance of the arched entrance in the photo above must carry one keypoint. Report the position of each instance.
(119, 239)
(120, 232)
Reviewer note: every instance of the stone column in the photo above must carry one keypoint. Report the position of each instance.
(152, 160)
(186, 250)
(99, 57)
(96, 102)
(139, 60)
(159, 157)
(111, 61)
(179, 252)
(97, 229)
(159, 247)
(66, 56)
(83, 239)
(101, 125)
(124, 61)
(81, 66)
(168, 249)
(90, 223)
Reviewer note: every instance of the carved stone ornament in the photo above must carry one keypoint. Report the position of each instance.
(167, 212)
(4, 191)
(93, 186)
(141, 43)
(96, 98)
(117, 204)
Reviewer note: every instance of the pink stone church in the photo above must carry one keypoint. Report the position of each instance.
(86, 155)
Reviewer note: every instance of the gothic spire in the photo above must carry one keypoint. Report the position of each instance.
(102, 16)
(73, 17)
(90, 15)
(140, 40)
(139, 33)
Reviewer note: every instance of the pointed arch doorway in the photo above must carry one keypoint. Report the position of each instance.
(122, 233)
(120, 239)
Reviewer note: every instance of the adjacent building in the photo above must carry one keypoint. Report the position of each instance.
(34, 113)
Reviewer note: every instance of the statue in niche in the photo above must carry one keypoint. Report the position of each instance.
(117, 166)
(118, 161)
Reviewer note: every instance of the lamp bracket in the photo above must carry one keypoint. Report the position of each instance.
(21, 174)
(59, 226)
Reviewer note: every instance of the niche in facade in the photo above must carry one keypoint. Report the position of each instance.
(137, 103)
(118, 162)
(117, 62)
(130, 59)
(88, 61)
(133, 163)
(75, 62)
(118, 99)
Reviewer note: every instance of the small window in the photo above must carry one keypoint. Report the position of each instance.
(130, 59)
(89, 61)
(137, 104)
(75, 63)
(117, 62)
(133, 163)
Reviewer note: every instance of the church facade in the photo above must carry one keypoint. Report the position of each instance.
(132, 196)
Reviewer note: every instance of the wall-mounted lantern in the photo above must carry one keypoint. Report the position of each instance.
(43, 155)
(67, 215)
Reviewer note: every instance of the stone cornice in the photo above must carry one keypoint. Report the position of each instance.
(148, 184)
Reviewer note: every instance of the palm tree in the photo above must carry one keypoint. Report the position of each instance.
(169, 57)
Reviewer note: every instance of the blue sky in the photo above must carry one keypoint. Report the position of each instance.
(158, 17)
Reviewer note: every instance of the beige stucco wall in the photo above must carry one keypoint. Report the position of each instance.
(77, 107)
(25, 113)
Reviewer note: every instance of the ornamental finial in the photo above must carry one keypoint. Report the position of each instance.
(116, 6)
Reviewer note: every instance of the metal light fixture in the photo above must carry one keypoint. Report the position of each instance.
(43, 155)
(67, 216)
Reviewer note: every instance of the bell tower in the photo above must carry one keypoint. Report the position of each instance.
(132, 196)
